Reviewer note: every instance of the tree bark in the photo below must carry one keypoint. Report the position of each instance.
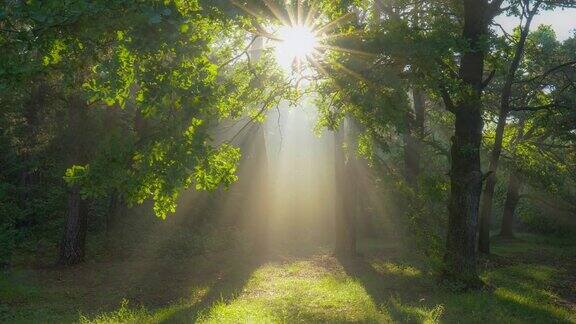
(72, 245)
(411, 161)
(419, 110)
(345, 199)
(512, 198)
(414, 122)
(488, 193)
(489, 187)
(465, 175)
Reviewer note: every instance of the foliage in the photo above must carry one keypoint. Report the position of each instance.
(119, 98)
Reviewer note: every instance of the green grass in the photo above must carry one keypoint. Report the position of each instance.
(529, 280)
(298, 291)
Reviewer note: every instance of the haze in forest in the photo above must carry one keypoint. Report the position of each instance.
(298, 161)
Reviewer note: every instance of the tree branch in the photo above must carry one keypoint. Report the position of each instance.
(548, 72)
(535, 108)
(447, 100)
(486, 82)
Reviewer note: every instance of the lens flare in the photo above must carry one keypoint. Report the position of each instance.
(296, 44)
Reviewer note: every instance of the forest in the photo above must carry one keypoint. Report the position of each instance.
(287, 161)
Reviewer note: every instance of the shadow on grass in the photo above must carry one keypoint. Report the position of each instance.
(306, 287)
(410, 294)
(227, 285)
(386, 278)
(175, 289)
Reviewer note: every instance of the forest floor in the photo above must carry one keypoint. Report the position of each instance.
(530, 279)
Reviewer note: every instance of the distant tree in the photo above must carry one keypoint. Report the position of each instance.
(508, 65)
(543, 121)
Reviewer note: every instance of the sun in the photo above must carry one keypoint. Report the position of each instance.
(296, 43)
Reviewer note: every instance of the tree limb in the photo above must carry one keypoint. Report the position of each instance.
(447, 100)
(548, 72)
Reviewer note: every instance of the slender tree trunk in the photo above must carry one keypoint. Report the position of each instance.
(72, 246)
(489, 187)
(345, 201)
(465, 174)
(260, 209)
(411, 158)
(414, 122)
(419, 110)
(488, 193)
(512, 198)
(366, 210)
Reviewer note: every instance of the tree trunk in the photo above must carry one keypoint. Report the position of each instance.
(465, 174)
(512, 198)
(411, 161)
(260, 209)
(366, 215)
(414, 122)
(345, 200)
(419, 110)
(488, 193)
(72, 247)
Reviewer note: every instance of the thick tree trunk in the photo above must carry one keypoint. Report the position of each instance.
(488, 193)
(345, 198)
(512, 198)
(72, 247)
(465, 174)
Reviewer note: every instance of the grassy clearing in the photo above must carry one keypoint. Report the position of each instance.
(298, 291)
(530, 281)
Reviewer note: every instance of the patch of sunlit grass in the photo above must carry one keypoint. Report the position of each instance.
(298, 292)
(419, 314)
(527, 288)
(127, 313)
(522, 294)
(240, 311)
